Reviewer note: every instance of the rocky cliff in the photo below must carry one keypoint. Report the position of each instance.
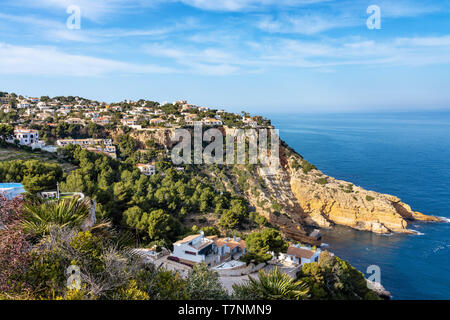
(299, 196)
(326, 201)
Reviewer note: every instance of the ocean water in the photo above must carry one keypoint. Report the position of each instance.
(404, 154)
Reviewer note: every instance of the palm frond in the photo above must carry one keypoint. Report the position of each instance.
(40, 216)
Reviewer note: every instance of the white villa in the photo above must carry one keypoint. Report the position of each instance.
(129, 122)
(102, 120)
(229, 247)
(250, 122)
(157, 121)
(84, 142)
(210, 250)
(75, 121)
(212, 122)
(104, 146)
(195, 249)
(26, 137)
(30, 138)
(147, 169)
(300, 255)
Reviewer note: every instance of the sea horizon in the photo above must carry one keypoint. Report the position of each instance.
(406, 157)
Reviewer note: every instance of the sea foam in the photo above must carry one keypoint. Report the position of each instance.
(417, 233)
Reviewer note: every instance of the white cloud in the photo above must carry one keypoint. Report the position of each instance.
(407, 8)
(51, 61)
(304, 24)
(320, 55)
(53, 30)
(95, 10)
(209, 61)
(246, 5)
(425, 41)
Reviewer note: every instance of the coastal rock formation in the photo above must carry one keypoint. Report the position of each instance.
(162, 136)
(299, 196)
(327, 201)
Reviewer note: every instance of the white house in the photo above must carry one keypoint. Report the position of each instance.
(129, 122)
(26, 137)
(30, 138)
(75, 121)
(300, 255)
(212, 122)
(147, 169)
(195, 249)
(157, 121)
(250, 122)
(102, 120)
(229, 247)
(41, 105)
(23, 105)
(84, 142)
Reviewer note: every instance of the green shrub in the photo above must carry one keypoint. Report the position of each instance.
(307, 167)
(348, 188)
(259, 219)
(322, 181)
(276, 206)
(369, 198)
(295, 165)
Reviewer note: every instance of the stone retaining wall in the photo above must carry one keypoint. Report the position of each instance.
(241, 271)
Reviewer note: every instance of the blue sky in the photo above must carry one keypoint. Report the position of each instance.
(258, 55)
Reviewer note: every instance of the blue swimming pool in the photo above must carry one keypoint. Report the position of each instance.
(10, 185)
(11, 190)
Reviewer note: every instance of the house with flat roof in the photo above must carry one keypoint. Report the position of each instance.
(195, 249)
(148, 169)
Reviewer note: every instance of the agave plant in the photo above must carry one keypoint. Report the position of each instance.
(40, 216)
(276, 286)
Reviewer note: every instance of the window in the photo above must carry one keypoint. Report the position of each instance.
(191, 253)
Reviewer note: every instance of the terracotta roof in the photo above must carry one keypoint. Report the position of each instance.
(300, 253)
(230, 243)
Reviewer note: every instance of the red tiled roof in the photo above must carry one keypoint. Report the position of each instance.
(300, 253)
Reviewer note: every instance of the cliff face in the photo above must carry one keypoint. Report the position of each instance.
(162, 136)
(327, 201)
(298, 198)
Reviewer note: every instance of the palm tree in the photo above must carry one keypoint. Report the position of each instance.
(274, 286)
(40, 216)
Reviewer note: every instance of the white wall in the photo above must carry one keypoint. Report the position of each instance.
(179, 249)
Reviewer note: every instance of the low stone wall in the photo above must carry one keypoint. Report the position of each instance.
(241, 271)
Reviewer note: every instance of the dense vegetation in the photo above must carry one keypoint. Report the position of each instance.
(35, 175)
(334, 279)
(39, 240)
(154, 207)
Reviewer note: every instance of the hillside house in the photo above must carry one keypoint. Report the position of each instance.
(300, 255)
(148, 169)
(229, 247)
(195, 249)
(26, 137)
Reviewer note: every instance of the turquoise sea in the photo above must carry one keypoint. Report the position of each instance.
(404, 154)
